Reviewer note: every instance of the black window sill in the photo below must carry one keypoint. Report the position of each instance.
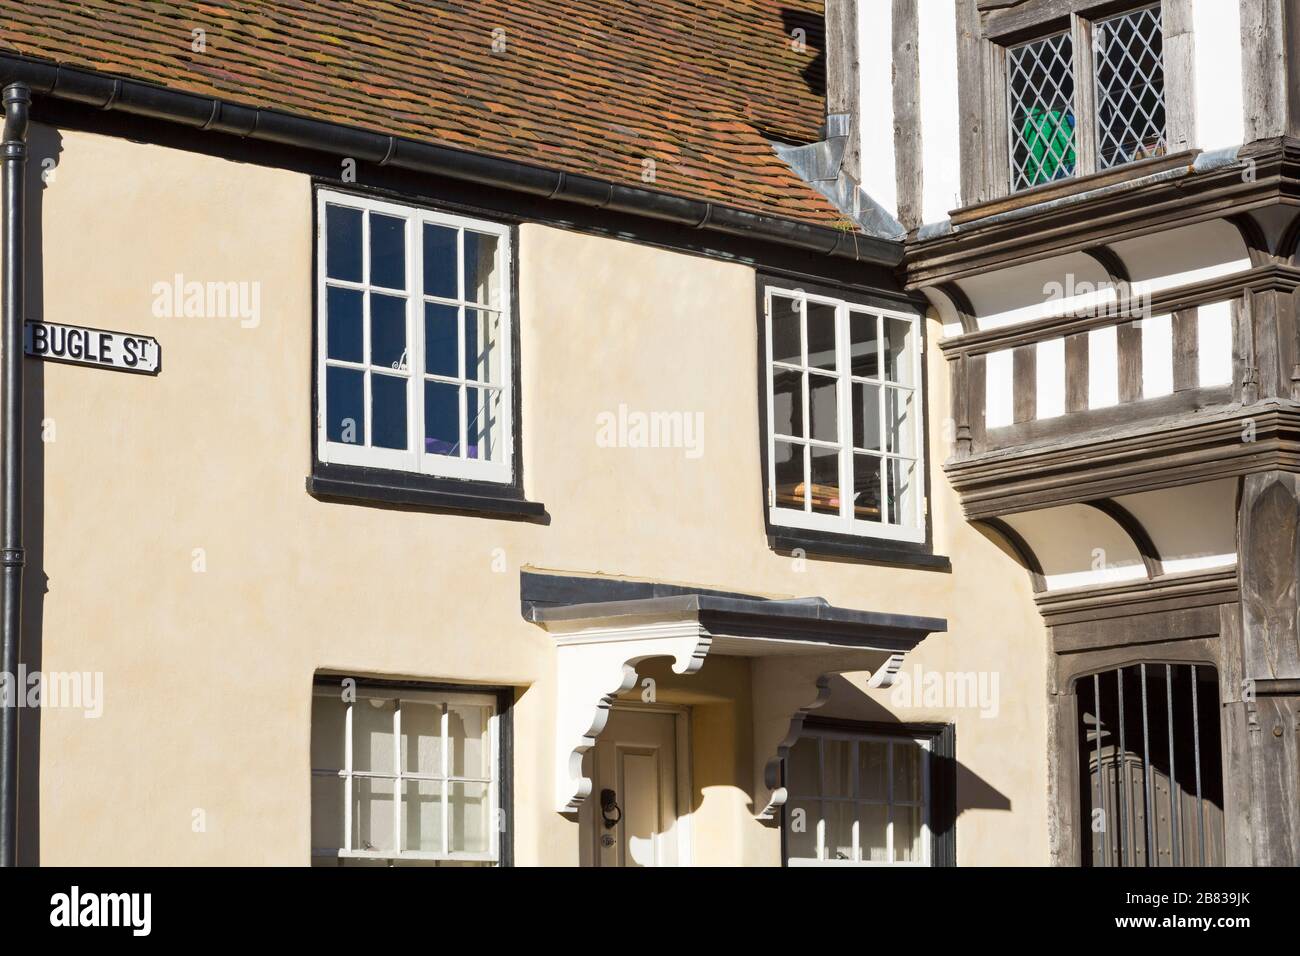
(422, 492)
(845, 547)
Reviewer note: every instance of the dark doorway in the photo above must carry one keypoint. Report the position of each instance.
(1150, 773)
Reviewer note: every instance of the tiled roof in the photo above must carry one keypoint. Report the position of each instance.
(590, 86)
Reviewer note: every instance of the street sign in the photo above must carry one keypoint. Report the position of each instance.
(123, 351)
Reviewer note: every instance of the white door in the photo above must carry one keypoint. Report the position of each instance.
(634, 812)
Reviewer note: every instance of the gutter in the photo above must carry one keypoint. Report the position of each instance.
(13, 154)
(209, 114)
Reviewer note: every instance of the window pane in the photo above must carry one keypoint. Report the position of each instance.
(789, 466)
(388, 411)
(421, 738)
(864, 344)
(821, 336)
(802, 768)
(907, 834)
(387, 251)
(441, 339)
(470, 817)
(866, 488)
(1040, 81)
(866, 416)
(388, 331)
(786, 336)
(839, 830)
(872, 834)
(483, 430)
(825, 480)
(482, 283)
(483, 345)
(872, 757)
(422, 816)
(327, 798)
(900, 428)
(372, 735)
(1128, 56)
(372, 813)
(467, 733)
(837, 755)
(899, 357)
(907, 772)
(343, 325)
(441, 418)
(787, 402)
(328, 732)
(440, 262)
(345, 409)
(343, 243)
(902, 491)
(823, 407)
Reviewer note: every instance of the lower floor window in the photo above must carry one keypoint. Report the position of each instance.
(404, 776)
(858, 799)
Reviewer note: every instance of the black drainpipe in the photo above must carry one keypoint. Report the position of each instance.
(17, 99)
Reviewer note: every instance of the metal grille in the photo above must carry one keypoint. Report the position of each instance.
(1040, 88)
(1128, 60)
(1150, 776)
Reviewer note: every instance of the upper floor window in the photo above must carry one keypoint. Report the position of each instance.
(413, 357)
(1040, 82)
(1126, 108)
(844, 417)
(1128, 55)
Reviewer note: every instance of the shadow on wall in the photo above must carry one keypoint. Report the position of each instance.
(44, 147)
(973, 791)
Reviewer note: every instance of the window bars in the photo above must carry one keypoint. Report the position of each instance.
(1040, 90)
(1128, 61)
(1150, 775)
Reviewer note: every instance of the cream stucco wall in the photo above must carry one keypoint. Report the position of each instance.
(207, 674)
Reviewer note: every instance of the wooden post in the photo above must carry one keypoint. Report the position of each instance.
(843, 86)
(1268, 551)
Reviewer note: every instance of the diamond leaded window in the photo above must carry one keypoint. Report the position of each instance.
(1128, 57)
(1042, 121)
(1127, 108)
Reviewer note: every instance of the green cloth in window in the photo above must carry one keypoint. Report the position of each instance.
(1048, 135)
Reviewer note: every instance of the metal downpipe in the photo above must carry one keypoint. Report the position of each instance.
(13, 154)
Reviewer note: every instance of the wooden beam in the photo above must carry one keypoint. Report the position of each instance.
(907, 111)
(1076, 372)
(843, 86)
(1186, 355)
(1180, 73)
(970, 103)
(1129, 346)
(1024, 385)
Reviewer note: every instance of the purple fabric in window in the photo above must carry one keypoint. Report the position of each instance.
(436, 446)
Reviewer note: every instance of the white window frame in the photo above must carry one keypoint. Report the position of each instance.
(927, 842)
(400, 776)
(846, 522)
(414, 459)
